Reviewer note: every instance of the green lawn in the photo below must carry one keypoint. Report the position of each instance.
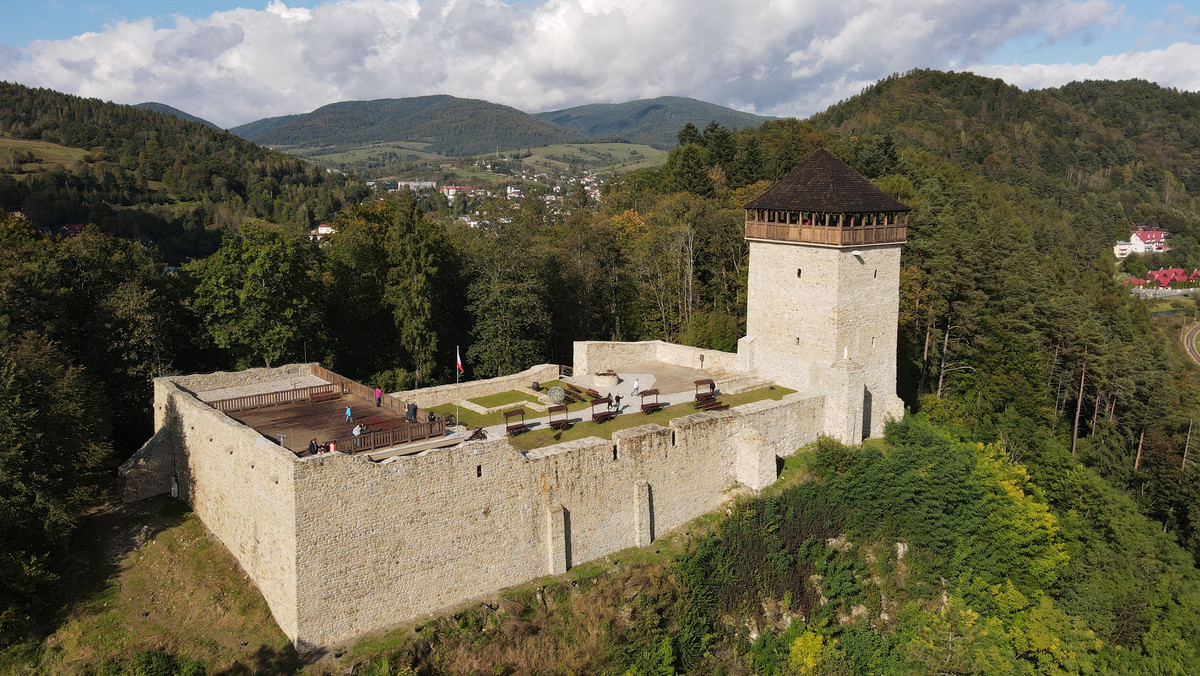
(468, 417)
(503, 399)
(632, 418)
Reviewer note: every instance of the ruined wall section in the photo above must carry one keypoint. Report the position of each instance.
(151, 470)
(240, 485)
(428, 397)
(593, 356)
(203, 382)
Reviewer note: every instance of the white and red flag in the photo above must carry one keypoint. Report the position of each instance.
(458, 359)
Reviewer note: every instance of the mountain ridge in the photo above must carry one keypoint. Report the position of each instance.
(453, 126)
(654, 122)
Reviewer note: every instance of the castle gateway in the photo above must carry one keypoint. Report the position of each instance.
(409, 516)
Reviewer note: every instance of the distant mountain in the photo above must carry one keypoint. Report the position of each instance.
(259, 128)
(655, 122)
(450, 125)
(169, 110)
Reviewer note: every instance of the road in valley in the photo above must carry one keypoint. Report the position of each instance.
(1189, 342)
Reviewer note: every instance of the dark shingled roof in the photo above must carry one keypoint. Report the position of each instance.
(823, 183)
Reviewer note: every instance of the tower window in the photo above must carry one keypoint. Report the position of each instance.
(797, 340)
(876, 275)
(872, 341)
(478, 470)
(799, 272)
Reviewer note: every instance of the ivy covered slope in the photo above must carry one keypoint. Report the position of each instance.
(142, 173)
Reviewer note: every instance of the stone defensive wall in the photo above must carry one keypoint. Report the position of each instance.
(428, 397)
(383, 543)
(594, 356)
(240, 484)
(340, 546)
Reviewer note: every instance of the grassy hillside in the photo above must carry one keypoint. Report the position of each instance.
(654, 122)
(449, 125)
(149, 577)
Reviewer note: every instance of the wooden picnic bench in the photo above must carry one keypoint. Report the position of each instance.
(651, 406)
(604, 414)
(511, 428)
(593, 393)
(706, 389)
(559, 423)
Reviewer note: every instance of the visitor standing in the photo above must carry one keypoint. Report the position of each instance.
(637, 386)
(349, 416)
(378, 397)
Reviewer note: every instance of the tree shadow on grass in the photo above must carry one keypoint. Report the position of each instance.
(268, 660)
(104, 537)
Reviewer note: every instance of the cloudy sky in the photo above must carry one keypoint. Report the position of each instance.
(233, 62)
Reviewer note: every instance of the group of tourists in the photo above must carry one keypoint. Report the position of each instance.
(315, 448)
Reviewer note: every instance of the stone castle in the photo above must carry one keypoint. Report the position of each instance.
(342, 544)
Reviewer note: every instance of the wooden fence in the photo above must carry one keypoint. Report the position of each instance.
(275, 398)
(405, 434)
(427, 425)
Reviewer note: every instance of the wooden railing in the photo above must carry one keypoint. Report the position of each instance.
(833, 235)
(393, 437)
(387, 402)
(275, 398)
(427, 425)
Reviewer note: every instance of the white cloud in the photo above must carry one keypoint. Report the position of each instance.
(777, 57)
(1175, 66)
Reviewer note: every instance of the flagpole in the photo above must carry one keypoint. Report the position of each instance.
(457, 384)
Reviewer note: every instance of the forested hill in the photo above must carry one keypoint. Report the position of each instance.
(654, 122)
(450, 125)
(1131, 145)
(170, 110)
(140, 173)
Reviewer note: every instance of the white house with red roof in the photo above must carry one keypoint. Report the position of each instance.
(1147, 241)
(1165, 277)
(1142, 239)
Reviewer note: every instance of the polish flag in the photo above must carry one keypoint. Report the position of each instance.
(458, 359)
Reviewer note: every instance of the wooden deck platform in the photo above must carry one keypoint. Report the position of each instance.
(325, 420)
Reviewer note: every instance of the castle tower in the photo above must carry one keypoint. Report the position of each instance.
(823, 296)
